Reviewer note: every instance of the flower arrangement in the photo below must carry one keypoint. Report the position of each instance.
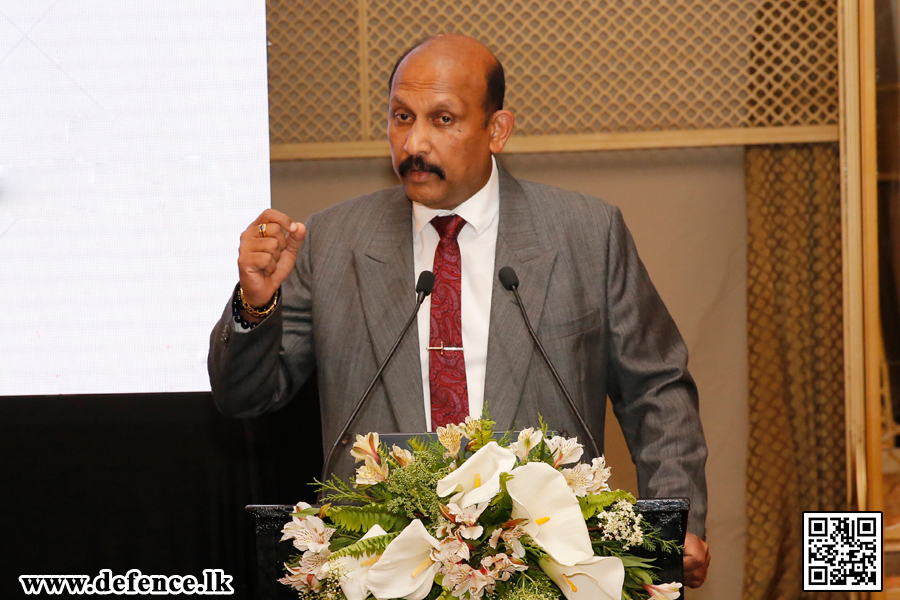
(486, 519)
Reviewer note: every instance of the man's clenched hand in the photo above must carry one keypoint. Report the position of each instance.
(267, 253)
(696, 561)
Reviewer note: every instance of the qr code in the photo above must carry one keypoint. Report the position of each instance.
(841, 551)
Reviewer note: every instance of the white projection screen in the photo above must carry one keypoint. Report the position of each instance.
(133, 152)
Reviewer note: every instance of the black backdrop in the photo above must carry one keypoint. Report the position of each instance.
(150, 482)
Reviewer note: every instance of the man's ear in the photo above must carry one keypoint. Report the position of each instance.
(501, 126)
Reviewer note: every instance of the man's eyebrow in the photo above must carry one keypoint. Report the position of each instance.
(441, 105)
(445, 106)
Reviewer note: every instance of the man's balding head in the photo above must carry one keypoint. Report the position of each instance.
(494, 76)
(446, 119)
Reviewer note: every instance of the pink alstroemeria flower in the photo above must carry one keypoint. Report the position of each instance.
(663, 591)
(366, 446)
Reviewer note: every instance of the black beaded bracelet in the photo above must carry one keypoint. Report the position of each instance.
(236, 305)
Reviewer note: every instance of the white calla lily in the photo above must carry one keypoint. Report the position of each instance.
(541, 494)
(406, 569)
(597, 578)
(478, 479)
(353, 570)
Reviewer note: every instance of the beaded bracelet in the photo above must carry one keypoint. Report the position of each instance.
(259, 313)
(238, 303)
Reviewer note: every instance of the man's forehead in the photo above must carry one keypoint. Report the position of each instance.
(438, 67)
(431, 96)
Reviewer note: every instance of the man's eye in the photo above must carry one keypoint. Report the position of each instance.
(403, 117)
(445, 120)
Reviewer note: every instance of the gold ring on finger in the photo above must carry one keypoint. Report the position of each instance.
(262, 230)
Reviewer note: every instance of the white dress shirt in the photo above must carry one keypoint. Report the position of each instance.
(477, 246)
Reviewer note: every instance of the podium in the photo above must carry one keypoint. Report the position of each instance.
(266, 521)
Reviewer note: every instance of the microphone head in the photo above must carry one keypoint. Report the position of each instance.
(425, 283)
(508, 278)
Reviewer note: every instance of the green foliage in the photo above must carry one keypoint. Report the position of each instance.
(337, 491)
(412, 489)
(306, 512)
(541, 452)
(363, 518)
(608, 548)
(437, 592)
(342, 540)
(533, 584)
(484, 434)
(499, 510)
(635, 579)
(426, 445)
(629, 561)
(652, 539)
(532, 550)
(506, 440)
(372, 545)
(503, 501)
(594, 503)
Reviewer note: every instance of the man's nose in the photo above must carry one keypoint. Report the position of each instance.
(418, 140)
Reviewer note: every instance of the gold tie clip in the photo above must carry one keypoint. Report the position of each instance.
(442, 348)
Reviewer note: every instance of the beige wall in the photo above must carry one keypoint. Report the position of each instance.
(686, 210)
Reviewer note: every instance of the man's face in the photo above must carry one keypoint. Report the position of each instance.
(440, 147)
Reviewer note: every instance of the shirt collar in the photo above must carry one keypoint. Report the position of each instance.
(478, 211)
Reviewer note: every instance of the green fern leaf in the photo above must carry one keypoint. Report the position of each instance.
(373, 545)
(594, 503)
(363, 518)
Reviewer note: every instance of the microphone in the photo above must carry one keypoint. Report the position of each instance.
(510, 281)
(423, 288)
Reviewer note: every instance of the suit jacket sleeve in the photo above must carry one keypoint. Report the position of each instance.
(260, 370)
(652, 392)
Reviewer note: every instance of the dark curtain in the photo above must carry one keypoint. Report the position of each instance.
(150, 482)
(796, 453)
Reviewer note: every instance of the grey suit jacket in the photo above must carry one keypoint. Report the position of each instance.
(584, 288)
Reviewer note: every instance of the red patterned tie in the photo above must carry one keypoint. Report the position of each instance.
(447, 372)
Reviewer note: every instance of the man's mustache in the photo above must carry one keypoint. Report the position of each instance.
(417, 163)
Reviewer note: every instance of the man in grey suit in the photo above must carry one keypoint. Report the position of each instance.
(347, 278)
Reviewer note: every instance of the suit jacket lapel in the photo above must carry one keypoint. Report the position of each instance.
(386, 286)
(510, 348)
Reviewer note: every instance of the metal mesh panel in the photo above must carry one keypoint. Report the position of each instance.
(573, 66)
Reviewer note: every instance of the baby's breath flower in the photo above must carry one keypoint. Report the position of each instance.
(621, 523)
